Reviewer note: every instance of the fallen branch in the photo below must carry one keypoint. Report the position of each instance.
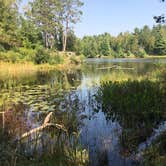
(110, 67)
(3, 119)
(116, 67)
(43, 126)
(35, 130)
(48, 117)
(124, 68)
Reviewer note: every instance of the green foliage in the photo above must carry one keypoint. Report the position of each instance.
(90, 48)
(71, 41)
(60, 148)
(137, 105)
(141, 42)
(56, 58)
(42, 56)
(47, 24)
(43, 23)
(8, 24)
(140, 53)
(27, 53)
(155, 154)
(2, 48)
(54, 19)
(29, 34)
(11, 56)
(104, 48)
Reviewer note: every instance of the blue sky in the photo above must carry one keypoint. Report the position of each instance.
(115, 16)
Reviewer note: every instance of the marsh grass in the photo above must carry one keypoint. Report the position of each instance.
(138, 105)
(155, 154)
(49, 146)
(27, 68)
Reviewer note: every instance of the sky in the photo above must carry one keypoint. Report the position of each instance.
(115, 16)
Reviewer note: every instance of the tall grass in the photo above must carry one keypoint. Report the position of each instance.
(49, 146)
(138, 105)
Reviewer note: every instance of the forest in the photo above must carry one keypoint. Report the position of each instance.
(25, 35)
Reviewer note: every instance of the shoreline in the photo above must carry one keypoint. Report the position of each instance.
(146, 57)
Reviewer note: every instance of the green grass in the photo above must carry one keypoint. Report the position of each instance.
(138, 105)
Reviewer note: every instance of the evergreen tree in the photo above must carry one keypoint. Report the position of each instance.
(160, 42)
(8, 24)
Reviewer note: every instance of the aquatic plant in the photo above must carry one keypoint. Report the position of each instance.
(155, 154)
(49, 144)
(138, 106)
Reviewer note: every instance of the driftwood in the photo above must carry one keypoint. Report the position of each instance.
(48, 118)
(43, 126)
(124, 68)
(116, 67)
(3, 120)
(110, 67)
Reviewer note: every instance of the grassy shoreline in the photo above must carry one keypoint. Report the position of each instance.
(31, 67)
(68, 64)
(134, 57)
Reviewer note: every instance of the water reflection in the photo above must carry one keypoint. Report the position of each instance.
(75, 91)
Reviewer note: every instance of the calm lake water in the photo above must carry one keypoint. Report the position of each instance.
(76, 90)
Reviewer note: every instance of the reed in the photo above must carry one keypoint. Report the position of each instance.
(52, 143)
(27, 68)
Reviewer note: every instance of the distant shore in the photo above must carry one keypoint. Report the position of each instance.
(133, 57)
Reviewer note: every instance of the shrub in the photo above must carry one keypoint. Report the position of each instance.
(2, 48)
(27, 54)
(121, 54)
(82, 57)
(10, 56)
(140, 53)
(74, 60)
(41, 56)
(14, 56)
(56, 58)
(3, 56)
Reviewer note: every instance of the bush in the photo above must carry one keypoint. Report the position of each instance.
(10, 56)
(2, 48)
(120, 54)
(140, 53)
(13, 56)
(56, 58)
(75, 60)
(3, 56)
(41, 56)
(27, 54)
(82, 57)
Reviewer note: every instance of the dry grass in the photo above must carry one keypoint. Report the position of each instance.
(17, 69)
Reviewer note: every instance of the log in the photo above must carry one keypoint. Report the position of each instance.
(125, 68)
(116, 67)
(109, 67)
(48, 117)
(42, 127)
(3, 120)
(35, 130)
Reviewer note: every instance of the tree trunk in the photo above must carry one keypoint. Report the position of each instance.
(65, 32)
(63, 41)
(45, 39)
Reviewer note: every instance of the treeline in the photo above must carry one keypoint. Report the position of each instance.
(139, 43)
(46, 27)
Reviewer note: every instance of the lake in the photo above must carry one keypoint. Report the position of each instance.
(78, 91)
